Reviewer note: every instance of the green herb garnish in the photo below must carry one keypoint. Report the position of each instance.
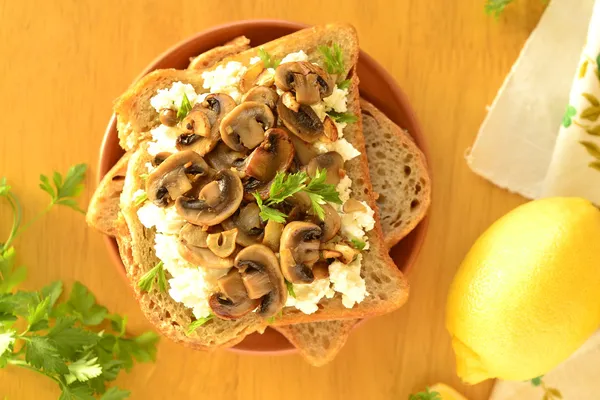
(346, 117)
(496, 7)
(358, 244)
(184, 108)
(140, 199)
(272, 319)
(267, 59)
(61, 339)
(345, 84)
(146, 282)
(286, 185)
(198, 323)
(290, 288)
(549, 392)
(333, 58)
(426, 395)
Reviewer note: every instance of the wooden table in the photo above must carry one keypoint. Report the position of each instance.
(63, 62)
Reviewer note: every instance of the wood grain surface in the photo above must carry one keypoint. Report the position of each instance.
(63, 62)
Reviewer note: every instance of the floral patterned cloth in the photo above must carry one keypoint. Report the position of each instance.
(575, 166)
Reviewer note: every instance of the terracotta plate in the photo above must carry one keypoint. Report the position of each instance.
(376, 85)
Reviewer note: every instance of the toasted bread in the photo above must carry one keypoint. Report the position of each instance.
(136, 242)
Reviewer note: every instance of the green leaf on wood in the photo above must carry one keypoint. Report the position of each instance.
(568, 117)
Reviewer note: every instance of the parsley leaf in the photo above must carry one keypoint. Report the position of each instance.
(41, 353)
(345, 84)
(346, 117)
(83, 370)
(358, 244)
(114, 393)
(37, 314)
(82, 305)
(320, 192)
(198, 323)
(140, 199)
(426, 395)
(496, 7)
(333, 58)
(70, 339)
(267, 59)
(6, 341)
(76, 392)
(10, 276)
(184, 108)
(146, 282)
(286, 185)
(65, 190)
(537, 381)
(290, 288)
(267, 213)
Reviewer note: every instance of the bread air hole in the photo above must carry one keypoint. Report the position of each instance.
(382, 296)
(381, 172)
(387, 136)
(408, 158)
(407, 170)
(376, 278)
(417, 188)
(397, 223)
(380, 154)
(414, 204)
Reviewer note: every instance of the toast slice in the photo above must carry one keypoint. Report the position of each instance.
(387, 286)
(318, 342)
(402, 203)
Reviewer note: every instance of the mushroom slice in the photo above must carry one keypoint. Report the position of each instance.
(203, 257)
(232, 301)
(217, 201)
(304, 151)
(250, 230)
(332, 162)
(353, 205)
(310, 82)
(171, 179)
(299, 250)
(321, 270)
(223, 157)
(201, 125)
(289, 100)
(244, 127)
(257, 260)
(266, 78)
(348, 253)
(330, 130)
(305, 123)
(273, 232)
(222, 243)
(263, 95)
(275, 154)
(330, 225)
(160, 158)
(248, 80)
(193, 235)
(168, 117)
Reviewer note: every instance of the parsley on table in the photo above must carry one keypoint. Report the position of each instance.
(184, 108)
(496, 7)
(549, 392)
(63, 339)
(346, 117)
(426, 395)
(286, 185)
(157, 273)
(333, 58)
(268, 60)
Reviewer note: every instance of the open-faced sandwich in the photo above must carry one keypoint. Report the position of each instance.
(247, 200)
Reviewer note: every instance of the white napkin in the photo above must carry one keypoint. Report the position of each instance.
(516, 141)
(576, 378)
(575, 166)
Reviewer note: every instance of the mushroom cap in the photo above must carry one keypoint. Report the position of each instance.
(330, 225)
(223, 157)
(262, 94)
(222, 200)
(331, 161)
(305, 123)
(275, 154)
(299, 250)
(232, 301)
(259, 259)
(175, 176)
(310, 82)
(248, 223)
(249, 78)
(244, 127)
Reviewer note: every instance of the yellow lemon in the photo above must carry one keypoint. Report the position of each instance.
(527, 295)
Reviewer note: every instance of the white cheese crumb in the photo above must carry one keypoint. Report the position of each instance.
(337, 101)
(163, 140)
(225, 79)
(165, 219)
(342, 146)
(254, 60)
(346, 279)
(173, 96)
(344, 188)
(309, 295)
(355, 224)
(297, 56)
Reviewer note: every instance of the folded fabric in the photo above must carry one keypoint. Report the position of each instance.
(575, 166)
(516, 142)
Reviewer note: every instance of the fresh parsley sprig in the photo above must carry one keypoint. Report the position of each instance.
(157, 273)
(290, 288)
(75, 342)
(286, 185)
(345, 84)
(140, 199)
(496, 7)
(268, 60)
(549, 392)
(198, 323)
(346, 117)
(358, 244)
(333, 58)
(184, 108)
(425, 395)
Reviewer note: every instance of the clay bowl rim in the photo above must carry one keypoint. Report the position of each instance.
(107, 148)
